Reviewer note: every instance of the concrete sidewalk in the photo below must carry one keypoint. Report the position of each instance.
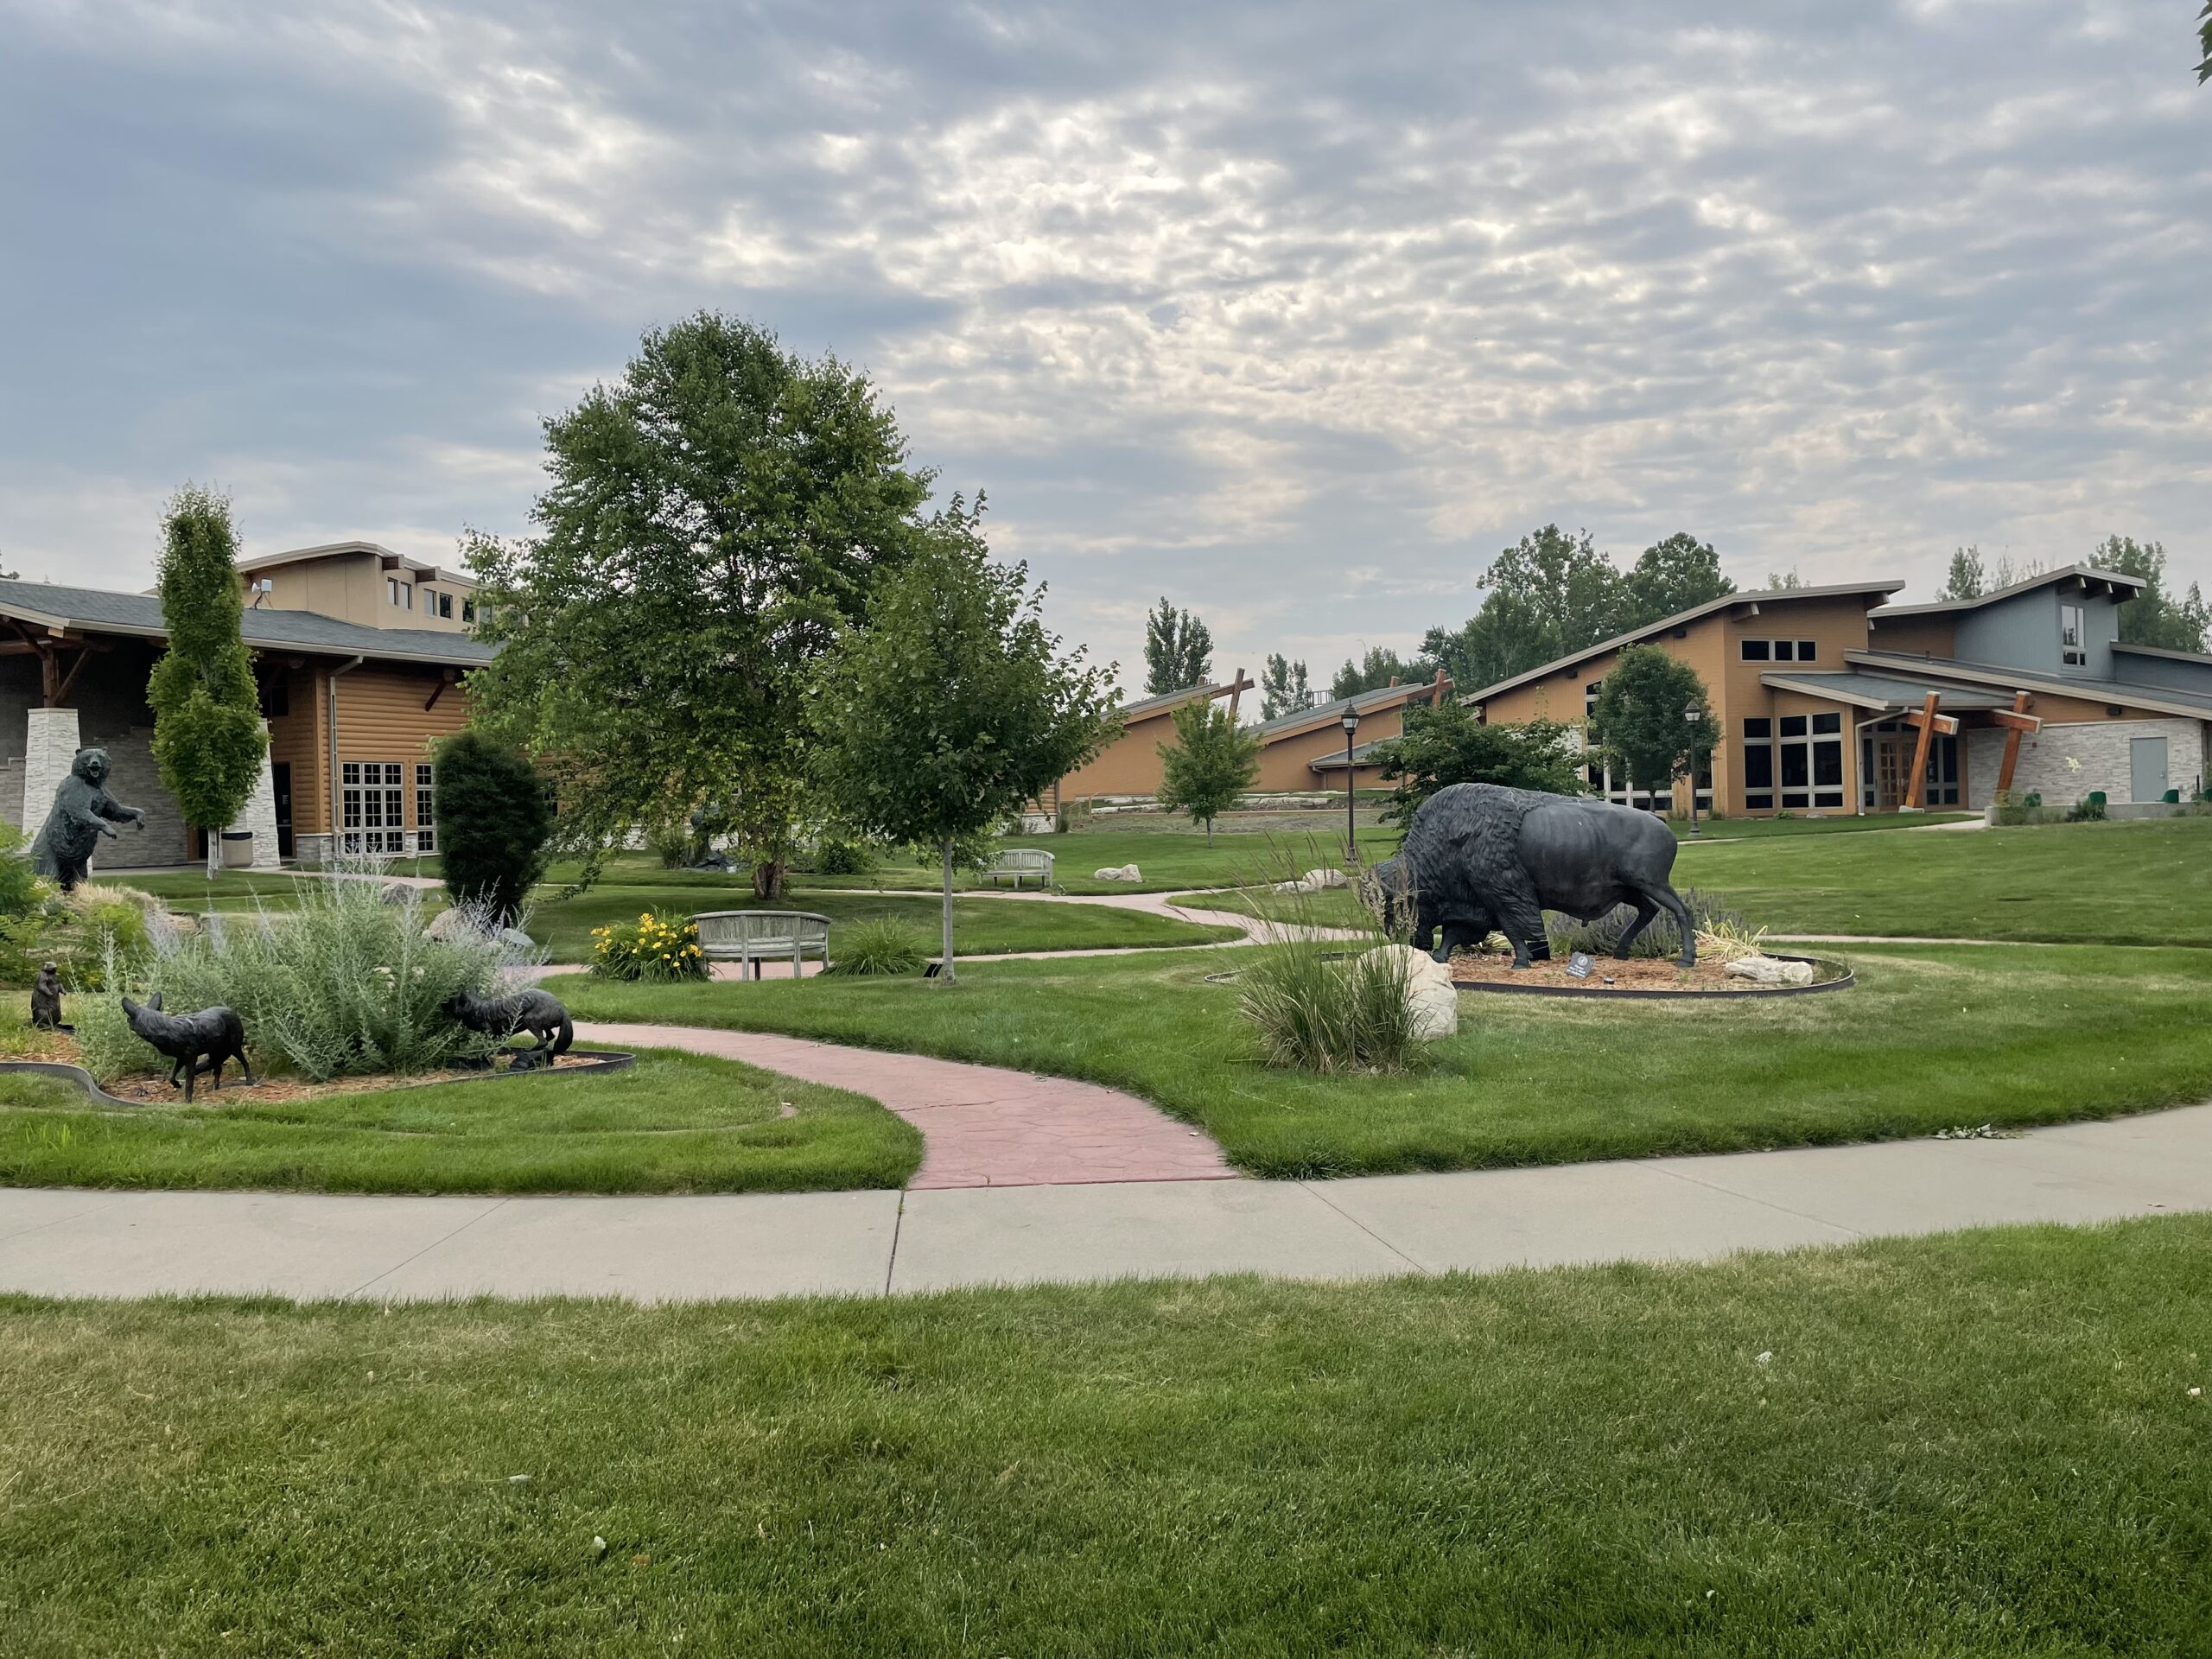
(104, 1244)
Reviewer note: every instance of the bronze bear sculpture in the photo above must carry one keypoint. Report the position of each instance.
(83, 812)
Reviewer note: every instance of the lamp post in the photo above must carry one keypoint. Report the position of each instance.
(1691, 713)
(1351, 825)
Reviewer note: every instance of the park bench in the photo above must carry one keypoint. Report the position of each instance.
(1019, 864)
(758, 936)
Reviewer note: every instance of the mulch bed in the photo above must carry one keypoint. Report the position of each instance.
(155, 1090)
(1637, 973)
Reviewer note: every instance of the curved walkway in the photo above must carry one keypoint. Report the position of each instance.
(79, 1242)
(981, 1125)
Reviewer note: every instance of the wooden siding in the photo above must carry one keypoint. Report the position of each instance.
(1911, 636)
(1284, 763)
(380, 718)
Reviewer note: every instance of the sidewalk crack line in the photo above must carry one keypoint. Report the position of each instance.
(1417, 1266)
(432, 1245)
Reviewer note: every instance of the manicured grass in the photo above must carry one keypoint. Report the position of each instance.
(979, 927)
(674, 1123)
(1982, 1444)
(1843, 824)
(1932, 1037)
(2138, 883)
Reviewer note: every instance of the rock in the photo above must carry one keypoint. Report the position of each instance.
(1117, 872)
(399, 893)
(450, 926)
(1770, 970)
(1429, 990)
(515, 939)
(1314, 880)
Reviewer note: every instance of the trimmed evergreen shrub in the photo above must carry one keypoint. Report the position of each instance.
(494, 820)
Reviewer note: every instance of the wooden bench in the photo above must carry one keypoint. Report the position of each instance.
(758, 936)
(1019, 864)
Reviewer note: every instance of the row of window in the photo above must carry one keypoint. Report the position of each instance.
(1795, 762)
(1780, 650)
(372, 801)
(438, 602)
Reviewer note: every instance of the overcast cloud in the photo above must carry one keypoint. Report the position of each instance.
(1295, 312)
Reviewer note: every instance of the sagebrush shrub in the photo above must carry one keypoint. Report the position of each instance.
(1662, 938)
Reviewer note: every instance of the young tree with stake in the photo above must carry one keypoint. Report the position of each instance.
(952, 705)
(1212, 761)
(208, 739)
(1639, 718)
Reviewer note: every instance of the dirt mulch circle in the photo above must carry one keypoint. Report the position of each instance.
(1637, 973)
(155, 1091)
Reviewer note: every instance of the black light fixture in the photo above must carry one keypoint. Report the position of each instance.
(1691, 715)
(1352, 826)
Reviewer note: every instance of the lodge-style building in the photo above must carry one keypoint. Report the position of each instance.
(1833, 699)
(359, 653)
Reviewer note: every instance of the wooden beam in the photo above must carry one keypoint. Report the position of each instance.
(1436, 696)
(1948, 725)
(1916, 789)
(2012, 729)
(69, 680)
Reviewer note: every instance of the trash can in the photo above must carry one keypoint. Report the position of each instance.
(238, 849)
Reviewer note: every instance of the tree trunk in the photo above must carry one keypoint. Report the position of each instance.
(214, 853)
(768, 878)
(946, 974)
(1209, 832)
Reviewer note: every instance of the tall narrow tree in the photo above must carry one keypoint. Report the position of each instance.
(1965, 579)
(208, 739)
(952, 706)
(1178, 651)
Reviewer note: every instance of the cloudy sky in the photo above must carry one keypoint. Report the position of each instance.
(1297, 311)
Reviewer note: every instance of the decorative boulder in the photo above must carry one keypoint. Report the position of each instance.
(1117, 872)
(1314, 880)
(1771, 970)
(452, 926)
(399, 893)
(1434, 999)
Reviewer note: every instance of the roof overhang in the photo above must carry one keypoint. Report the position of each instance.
(2012, 679)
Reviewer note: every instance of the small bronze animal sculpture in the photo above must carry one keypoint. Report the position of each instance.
(83, 812)
(498, 1018)
(1479, 856)
(212, 1036)
(46, 999)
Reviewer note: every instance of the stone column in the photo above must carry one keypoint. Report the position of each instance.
(49, 750)
(260, 814)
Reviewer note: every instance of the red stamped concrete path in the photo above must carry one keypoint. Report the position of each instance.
(981, 1125)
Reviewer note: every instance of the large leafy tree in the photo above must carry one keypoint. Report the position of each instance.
(1639, 718)
(1672, 576)
(1549, 594)
(952, 706)
(2204, 43)
(710, 521)
(1380, 667)
(1211, 762)
(1446, 744)
(1178, 651)
(2154, 617)
(208, 739)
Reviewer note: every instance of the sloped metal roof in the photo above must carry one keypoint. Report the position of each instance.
(96, 610)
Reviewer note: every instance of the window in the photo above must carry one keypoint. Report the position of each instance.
(1806, 650)
(2071, 650)
(401, 594)
(1589, 698)
(426, 818)
(1827, 760)
(1756, 651)
(276, 687)
(1785, 650)
(1759, 764)
(370, 803)
(392, 589)
(468, 610)
(445, 605)
(1943, 786)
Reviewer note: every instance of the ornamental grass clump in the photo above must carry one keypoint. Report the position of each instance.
(346, 984)
(878, 947)
(656, 948)
(1662, 938)
(1319, 1001)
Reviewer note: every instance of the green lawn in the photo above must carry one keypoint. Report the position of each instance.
(979, 927)
(1844, 825)
(1932, 1037)
(1983, 1443)
(2138, 883)
(674, 1123)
